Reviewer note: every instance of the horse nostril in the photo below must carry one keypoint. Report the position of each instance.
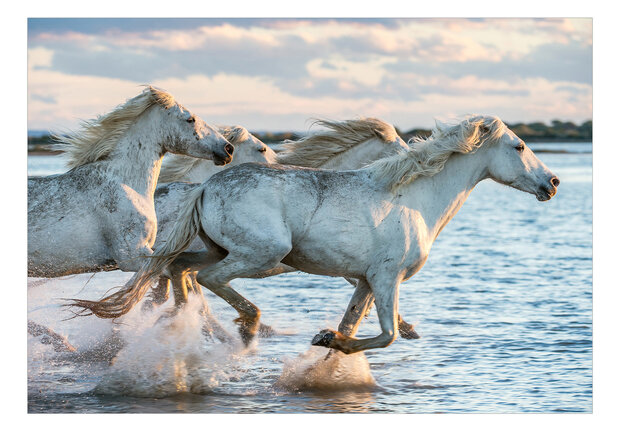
(555, 181)
(229, 149)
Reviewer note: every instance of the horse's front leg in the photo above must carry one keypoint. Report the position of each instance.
(264, 331)
(210, 326)
(242, 264)
(386, 299)
(178, 279)
(361, 296)
(358, 308)
(178, 273)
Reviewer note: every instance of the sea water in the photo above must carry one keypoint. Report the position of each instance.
(503, 306)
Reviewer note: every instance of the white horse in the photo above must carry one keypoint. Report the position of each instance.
(179, 175)
(341, 145)
(375, 224)
(100, 215)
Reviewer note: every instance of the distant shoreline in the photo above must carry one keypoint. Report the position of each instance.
(542, 150)
(43, 153)
(536, 132)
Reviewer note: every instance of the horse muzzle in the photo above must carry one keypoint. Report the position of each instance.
(548, 191)
(224, 157)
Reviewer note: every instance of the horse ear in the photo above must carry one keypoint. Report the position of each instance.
(239, 133)
(440, 125)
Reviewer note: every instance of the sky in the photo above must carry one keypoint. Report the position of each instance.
(276, 74)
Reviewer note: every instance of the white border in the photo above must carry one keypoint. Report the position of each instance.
(14, 43)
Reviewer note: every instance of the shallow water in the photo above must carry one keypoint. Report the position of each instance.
(503, 305)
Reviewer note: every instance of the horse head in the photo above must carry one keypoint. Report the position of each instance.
(191, 136)
(512, 163)
(248, 148)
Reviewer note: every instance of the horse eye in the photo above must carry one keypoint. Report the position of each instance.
(262, 150)
(520, 147)
(191, 120)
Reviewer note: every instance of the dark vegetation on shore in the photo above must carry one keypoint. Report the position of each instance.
(557, 131)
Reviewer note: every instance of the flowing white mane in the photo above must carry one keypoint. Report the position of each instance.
(314, 150)
(98, 137)
(427, 157)
(176, 166)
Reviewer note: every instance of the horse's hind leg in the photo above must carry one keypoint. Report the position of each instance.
(179, 271)
(180, 287)
(210, 326)
(159, 294)
(184, 265)
(249, 314)
(217, 277)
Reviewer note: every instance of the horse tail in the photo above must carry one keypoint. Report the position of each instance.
(180, 237)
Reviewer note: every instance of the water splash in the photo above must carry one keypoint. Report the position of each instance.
(170, 356)
(314, 370)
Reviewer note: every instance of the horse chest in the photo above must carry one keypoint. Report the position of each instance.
(402, 241)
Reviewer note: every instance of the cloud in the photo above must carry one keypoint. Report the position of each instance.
(555, 62)
(45, 99)
(40, 57)
(258, 103)
(281, 71)
(36, 26)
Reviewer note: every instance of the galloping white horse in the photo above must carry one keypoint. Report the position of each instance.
(100, 215)
(376, 224)
(342, 145)
(179, 175)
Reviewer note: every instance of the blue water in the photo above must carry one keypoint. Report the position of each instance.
(503, 305)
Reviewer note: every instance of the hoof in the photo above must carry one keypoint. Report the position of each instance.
(408, 333)
(406, 330)
(324, 338)
(266, 331)
(247, 329)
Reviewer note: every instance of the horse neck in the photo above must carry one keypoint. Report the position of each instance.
(138, 155)
(202, 171)
(438, 198)
(360, 155)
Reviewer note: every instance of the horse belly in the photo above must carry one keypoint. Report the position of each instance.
(318, 265)
(333, 256)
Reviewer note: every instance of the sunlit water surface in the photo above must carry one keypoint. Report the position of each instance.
(503, 305)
